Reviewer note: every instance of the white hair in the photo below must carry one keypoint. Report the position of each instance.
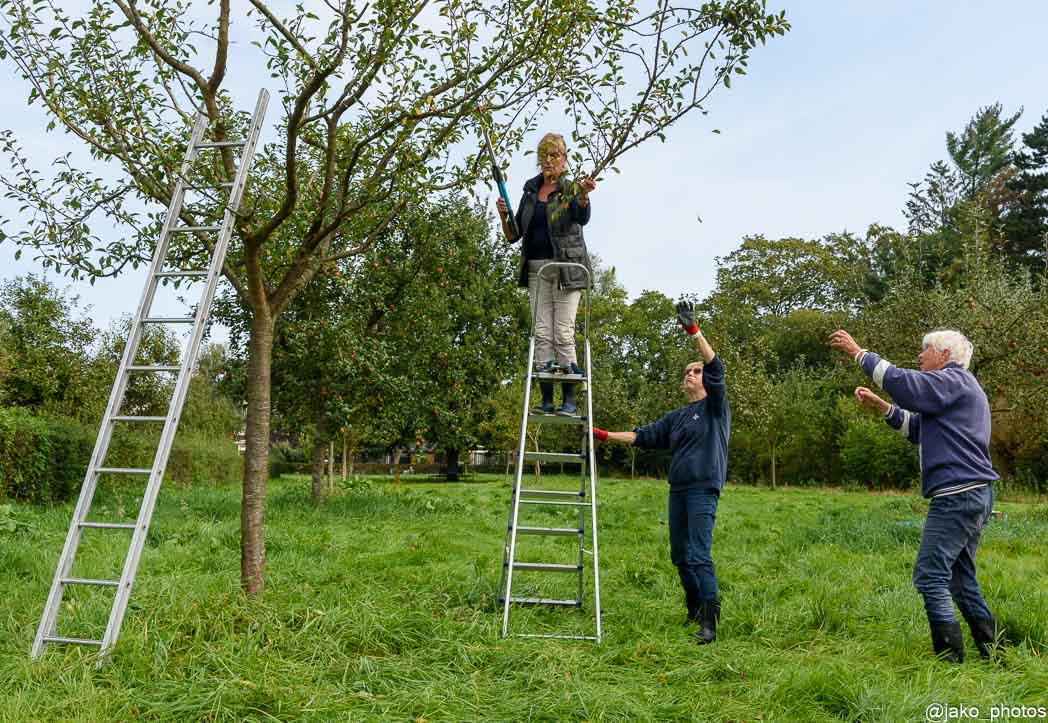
(952, 341)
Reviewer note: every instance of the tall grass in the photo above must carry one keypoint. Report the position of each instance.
(381, 604)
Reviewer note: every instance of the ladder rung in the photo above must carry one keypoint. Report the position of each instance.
(546, 567)
(543, 601)
(186, 272)
(169, 320)
(553, 493)
(109, 525)
(88, 581)
(223, 184)
(565, 531)
(555, 419)
(151, 368)
(124, 470)
(554, 457)
(554, 504)
(553, 376)
(554, 635)
(126, 418)
(219, 144)
(71, 641)
(191, 229)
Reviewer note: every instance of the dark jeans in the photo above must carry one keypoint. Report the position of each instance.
(692, 513)
(945, 564)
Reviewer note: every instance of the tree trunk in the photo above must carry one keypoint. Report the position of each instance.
(256, 455)
(317, 470)
(633, 463)
(345, 451)
(320, 447)
(451, 457)
(773, 466)
(331, 467)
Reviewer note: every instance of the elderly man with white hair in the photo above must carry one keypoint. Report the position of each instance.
(942, 409)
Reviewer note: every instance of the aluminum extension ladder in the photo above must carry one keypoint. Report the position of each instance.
(158, 272)
(582, 501)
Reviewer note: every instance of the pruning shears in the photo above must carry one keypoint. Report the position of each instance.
(500, 181)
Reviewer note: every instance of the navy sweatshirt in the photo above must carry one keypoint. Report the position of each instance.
(945, 412)
(697, 435)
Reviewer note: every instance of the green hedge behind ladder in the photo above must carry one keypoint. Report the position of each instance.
(43, 460)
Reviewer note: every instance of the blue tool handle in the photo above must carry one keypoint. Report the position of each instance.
(511, 220)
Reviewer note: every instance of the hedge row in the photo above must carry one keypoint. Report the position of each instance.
(44, 460)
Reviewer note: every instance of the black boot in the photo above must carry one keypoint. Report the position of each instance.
(691, 599)
(947, 641)
(709, 616)
(546, 405)
(986, 633)
(568, 408)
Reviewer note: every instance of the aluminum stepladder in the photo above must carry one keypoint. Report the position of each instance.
(158, 271)
(582, 500)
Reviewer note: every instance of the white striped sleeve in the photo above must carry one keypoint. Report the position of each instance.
(879, 372)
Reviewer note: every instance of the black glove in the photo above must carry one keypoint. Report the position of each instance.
(686, 317)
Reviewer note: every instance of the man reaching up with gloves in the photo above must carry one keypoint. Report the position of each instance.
(697, 435)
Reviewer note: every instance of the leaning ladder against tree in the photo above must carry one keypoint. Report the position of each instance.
(160, 271)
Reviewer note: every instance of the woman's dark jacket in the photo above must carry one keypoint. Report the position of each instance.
(565, 219)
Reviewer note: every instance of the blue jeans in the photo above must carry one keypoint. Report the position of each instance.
(945, 566)
(692, 513)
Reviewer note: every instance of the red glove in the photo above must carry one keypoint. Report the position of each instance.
(600, 434)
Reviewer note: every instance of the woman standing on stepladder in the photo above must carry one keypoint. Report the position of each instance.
(550, 218)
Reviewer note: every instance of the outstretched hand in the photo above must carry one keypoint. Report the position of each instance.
(842, 341)
(868, 399)
(686, 317)
(599, 434)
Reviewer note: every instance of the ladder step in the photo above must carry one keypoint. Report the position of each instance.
(71, 641)
(185, 272)
(546, 567)
(223, 184)
(109, 525)
(543, 601)
(124, 470)
(191, 229)
(555, 419)
(87, 581)
(154, 368)
(553, 493)
(555, 456)
(126, 418)
(565, 531)
(553, 376)
(169, 320)
(555, 636)
(219, 144)
(553, 504)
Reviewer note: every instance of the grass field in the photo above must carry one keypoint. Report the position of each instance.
(381, 604)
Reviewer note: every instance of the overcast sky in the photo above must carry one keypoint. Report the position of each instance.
(821, 136)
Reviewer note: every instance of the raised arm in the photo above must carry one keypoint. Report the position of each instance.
(926, 392)
(686, 317)
(713, 368)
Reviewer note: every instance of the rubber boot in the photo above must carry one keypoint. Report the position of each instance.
(546, 405)
(691, 599)
(709, 616)
(568, 407)
(986, 634)
(947, 641)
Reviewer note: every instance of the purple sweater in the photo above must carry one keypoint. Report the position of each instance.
(945, 412)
